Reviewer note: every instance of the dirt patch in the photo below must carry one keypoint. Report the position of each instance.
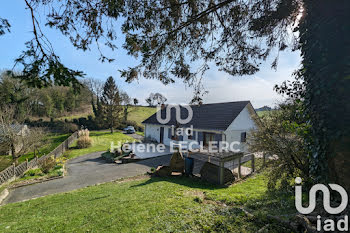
(194, 193)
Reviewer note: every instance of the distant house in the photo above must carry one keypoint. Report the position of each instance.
(228, 122)
(17, 129)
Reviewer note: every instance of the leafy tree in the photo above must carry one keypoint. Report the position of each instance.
(70, 99)
(111, 103)
(136, 101)
(49, 102)
(282, 132)
(14, 93)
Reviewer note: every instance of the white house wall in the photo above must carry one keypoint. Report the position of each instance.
(152, 131)
(243, 123)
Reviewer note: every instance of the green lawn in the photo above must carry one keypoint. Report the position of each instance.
(258, 163)
(101, 141)
(140, 113)
(146, 205)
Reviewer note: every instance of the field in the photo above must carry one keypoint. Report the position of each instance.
(135, 113)
(150, 205)
(140, 113)
(101, 141)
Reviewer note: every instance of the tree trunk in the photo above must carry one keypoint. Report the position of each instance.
(325, 47)
(13, 154)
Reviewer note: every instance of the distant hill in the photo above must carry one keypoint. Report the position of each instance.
(140, 113)
(264, 108)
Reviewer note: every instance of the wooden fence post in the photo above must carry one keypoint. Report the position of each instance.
(253, 163)
(239, 168)
(27, 164)
(221, 172)
(14, 169)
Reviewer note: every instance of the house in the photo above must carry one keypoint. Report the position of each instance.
(218, 122)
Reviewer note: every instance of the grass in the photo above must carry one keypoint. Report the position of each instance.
(141, 133)
(140, 113)
(258, 163)
(101, 141)
(147, 205)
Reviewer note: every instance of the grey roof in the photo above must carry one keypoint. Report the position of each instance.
(217, 116)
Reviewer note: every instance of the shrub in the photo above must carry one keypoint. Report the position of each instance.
(47, 164)
(84, 142)
(70, 127)
(34, 172)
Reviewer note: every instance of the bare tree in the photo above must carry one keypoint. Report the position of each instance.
(126, 101)
(15, 137)
(96, 88)
(159, 98)
(150, 100)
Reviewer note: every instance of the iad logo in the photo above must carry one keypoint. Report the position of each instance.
(329, 225)
(178, 114)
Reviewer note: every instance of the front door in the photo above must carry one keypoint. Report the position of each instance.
(161, 136)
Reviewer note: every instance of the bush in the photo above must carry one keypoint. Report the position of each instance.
(84, 142)
(47, 164)
(70, 127)
(34, 172)
(109, 156)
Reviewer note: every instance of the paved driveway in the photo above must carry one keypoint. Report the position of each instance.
(85, 171)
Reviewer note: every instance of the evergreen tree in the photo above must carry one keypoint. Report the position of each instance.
(110, 101)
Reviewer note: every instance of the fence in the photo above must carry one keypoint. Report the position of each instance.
(16, 171)
(231, 161)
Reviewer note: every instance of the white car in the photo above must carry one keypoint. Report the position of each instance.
(129, 129)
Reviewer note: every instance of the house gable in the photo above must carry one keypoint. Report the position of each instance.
(244, 121)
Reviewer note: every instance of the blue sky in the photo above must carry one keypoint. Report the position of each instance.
(221, 86)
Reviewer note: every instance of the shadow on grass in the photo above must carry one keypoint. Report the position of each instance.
(101, 133)
(191, 182)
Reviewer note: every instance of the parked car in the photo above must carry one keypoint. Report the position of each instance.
(129, 129)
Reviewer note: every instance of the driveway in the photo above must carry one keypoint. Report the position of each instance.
(84, 171)
(135, 136)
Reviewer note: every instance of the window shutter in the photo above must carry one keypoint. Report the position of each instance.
(243, 137)
(181, 138)
(194, 135)
(218, 138)
(200, 136)
(169, 133)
